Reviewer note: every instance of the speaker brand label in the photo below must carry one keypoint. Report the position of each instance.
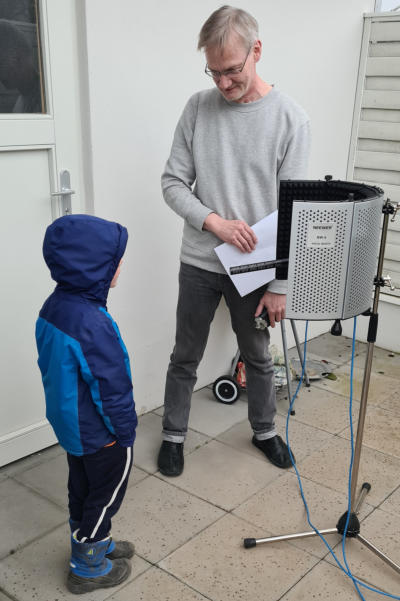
(321, 235)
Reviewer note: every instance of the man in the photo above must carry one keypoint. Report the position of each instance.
(234, 142)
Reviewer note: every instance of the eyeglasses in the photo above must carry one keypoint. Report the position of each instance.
(216, 75)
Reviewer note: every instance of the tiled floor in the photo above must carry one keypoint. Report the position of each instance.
(188, 531)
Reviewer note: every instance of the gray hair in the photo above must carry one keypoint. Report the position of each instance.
(227, 19)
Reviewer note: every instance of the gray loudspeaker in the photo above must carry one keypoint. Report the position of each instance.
(333, 257)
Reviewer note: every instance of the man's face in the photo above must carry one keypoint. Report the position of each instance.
(238, 87)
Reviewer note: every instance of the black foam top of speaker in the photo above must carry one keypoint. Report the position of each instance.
(327, 190)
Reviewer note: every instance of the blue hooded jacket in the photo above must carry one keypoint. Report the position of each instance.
(83, 360)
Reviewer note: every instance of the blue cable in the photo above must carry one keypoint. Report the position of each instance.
(346, 570)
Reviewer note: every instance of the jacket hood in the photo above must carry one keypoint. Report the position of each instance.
(83, 253)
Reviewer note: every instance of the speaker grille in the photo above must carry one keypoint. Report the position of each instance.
(363, 256)
(318, 275)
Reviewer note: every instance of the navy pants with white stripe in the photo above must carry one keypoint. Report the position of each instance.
(96, 487)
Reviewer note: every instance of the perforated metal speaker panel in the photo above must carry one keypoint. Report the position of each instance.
(363, 256)
(317, 274)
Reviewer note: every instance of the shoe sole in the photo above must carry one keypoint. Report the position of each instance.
(169, 474)
(91, 584)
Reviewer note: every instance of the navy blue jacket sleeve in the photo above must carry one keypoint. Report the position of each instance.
(107, 374)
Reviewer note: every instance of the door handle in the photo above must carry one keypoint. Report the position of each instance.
(65, 192)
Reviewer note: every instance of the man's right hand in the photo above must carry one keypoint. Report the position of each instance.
(232, 231)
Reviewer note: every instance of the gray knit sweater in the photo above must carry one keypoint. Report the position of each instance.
(234, 154)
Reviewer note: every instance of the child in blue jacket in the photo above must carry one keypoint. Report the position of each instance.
(88, 389)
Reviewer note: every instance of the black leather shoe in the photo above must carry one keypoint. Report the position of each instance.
(275, 450)
(170, 458)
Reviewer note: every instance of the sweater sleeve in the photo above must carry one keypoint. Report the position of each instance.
(180, 173)
(108, 375)
(293, 166)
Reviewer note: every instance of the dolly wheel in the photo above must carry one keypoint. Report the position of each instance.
(226, 390)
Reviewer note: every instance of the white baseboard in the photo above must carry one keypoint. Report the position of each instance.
(26, 441)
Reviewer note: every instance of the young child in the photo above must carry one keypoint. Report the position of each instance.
(88, 388)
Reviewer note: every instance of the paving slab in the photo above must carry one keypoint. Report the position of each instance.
(210, 417)
(303, 439)
(384, 362)
(156, 585)
(381, 387)
(39, 571)
(330, 465)
(392, 503)
(24, 515)
(224, 476)
(326, 582)
(158, 517)
(148, 441)
(323, 409)
(278, 509)
(49, 478)
(335, 349)
(392, 403)
(216, 564)
(381, 431)
(27, 462)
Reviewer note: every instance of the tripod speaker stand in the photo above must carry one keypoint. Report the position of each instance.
(303, 238)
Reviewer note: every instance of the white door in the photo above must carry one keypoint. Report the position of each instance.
(40, 137)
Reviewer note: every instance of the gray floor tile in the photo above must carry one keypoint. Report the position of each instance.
(24, 515)
(49, 478)
(148, 440)
(38, 572)
(392, 503)
(392, 403)
(158, 517)
(278, 509)
(28, 462)
(3, 597)
(303, 439)
(211, 417)
(336, 349)
(327, 582)
(137, 475)
(156, 585)
(381, 431)
(224, 476)
(380, 389)
(382, 530)
(330, 465)
(384, 362)
(216, 564)
(323, 409)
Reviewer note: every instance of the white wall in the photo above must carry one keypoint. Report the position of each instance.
(143, 66)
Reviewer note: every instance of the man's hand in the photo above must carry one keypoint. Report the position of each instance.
(275, 305)
(233, 231)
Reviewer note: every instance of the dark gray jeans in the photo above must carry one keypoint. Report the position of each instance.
(200, 292)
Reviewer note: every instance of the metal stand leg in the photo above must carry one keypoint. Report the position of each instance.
(296, 338)
(353, 530)
(287, 364)
(287, 361)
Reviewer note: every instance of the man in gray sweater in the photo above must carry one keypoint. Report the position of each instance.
(232, 146)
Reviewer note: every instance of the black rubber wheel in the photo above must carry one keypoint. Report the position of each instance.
(226, 390)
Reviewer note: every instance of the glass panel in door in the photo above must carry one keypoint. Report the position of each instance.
(21, 70)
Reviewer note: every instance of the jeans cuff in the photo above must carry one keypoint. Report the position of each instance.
(265, 435)
(173, 437)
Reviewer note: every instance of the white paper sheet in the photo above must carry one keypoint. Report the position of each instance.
(230, 256)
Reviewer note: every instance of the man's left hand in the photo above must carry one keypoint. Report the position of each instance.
(275, 305)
